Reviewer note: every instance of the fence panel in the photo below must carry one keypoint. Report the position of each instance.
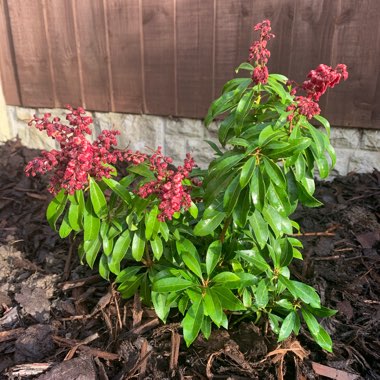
(171, 57)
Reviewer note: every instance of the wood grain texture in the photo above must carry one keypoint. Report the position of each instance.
(94, 57)
(159, 58)
(357, 44)
(124, 47)
(233, 38)
(8, 70)
(31, 53)
(195, 27)
(64, 54)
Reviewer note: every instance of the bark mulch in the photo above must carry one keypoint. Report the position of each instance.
(60, 320)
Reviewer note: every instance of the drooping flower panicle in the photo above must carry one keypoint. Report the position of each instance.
(78, 159)
(259, 54)
(168, 186)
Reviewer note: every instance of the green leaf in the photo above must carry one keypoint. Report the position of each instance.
(247, 171)
(306, 198)
(260, 228)
(192, 322)
(287, 326)
(213, 255)
(138, 244)
(117, 188)
(56, 208)
(274, 321)
(152, 224)
(261, 294)
(193, 210)
(227, 279)
(286, 253)
(206, 327)
(279, 224)
(243, 108)
(127, 273)
(244, 66)
(65, 228)
(103, 267)
(274, 172)
(257, 188)
(130, 286)
(279, 77)
(92, 248)
(142, 170)
(236, 82)
(208, 226)
(324, 122)
(76, 208)
(157, 247)
(192, 262)
(242, 208)
(302, 291)
(227, 299)
(98, 199)
(164, 230)
(213, 307)
(323, 339)
(119, 251)
(171, 284)
(311, 322)
(231, 195)
(254, 258)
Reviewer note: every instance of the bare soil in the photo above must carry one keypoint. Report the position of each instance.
(60, 320)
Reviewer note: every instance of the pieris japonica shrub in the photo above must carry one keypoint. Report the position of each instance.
(209, 243)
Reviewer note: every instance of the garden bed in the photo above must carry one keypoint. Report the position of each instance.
(52, 309)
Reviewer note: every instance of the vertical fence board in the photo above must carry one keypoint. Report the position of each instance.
(124, 39)
(281, 15)
(357, 45)
(31, 53)
(194, 56)
(312, 38)
(232, 39)
(8, 70)
(64, 57)
(91, 36)
(158, 47)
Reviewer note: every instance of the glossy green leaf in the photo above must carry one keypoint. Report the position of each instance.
(242, 208)
(247, 171)
(157, 247)
(254, 258)
(127, 273)
(260, 228)
(227, 299)
(119, 251)
(171, 284)
(206, 327)
(274, 172)
(103, 267)
(119, 189)
(231, 195)
(65, 228)
(208, 226)
(213, 307)
(287, 326)
(192, 322)
(92, 248)
(138, 244)
(193, 210)
(152, 224)
(257, 188)
(302, 291)
(192, 262)
(98, 199)
(128, 288)
(213, 255)
(56, 208)
(261, 294)
(243, 108)
(244, 66)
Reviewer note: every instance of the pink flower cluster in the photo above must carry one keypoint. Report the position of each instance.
(168, 186)
(259, 53)
(78, 159)
(319, 80)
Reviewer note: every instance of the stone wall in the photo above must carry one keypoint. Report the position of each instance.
(358, 150)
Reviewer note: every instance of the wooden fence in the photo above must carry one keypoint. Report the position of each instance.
(171, 57)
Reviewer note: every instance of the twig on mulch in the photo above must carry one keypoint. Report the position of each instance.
(6, 336)
(333, 373)
(175, 343)
(82, 347)
(80, 282)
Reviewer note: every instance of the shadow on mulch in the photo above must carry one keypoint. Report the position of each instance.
(52, 309)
